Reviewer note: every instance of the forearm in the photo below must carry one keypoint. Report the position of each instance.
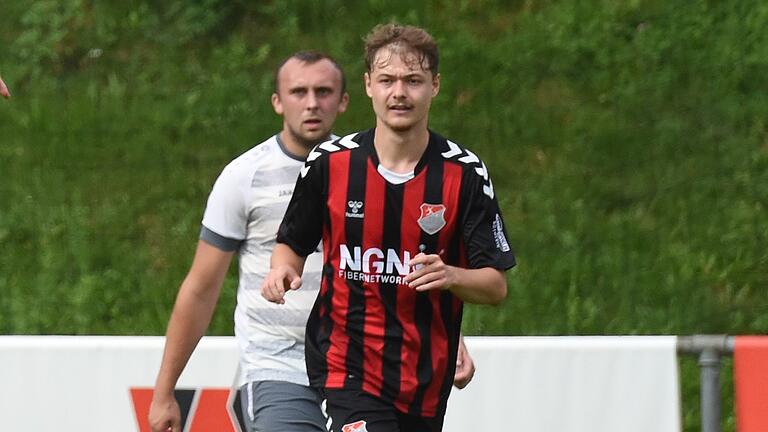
(189, 320)
(195, 303)
(485, 285)
(283, 255)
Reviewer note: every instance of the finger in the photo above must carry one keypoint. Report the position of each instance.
(420, 266)
(272, 292)
(296, 283)
(434, 285)
(426, 279)
(418, 259)
(276, 295)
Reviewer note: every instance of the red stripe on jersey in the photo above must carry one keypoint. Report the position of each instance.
(336, 357)
(413, 197)
(452, 175)
(375, 315)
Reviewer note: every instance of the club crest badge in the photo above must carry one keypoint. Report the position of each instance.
(432, 218)
(358, 426)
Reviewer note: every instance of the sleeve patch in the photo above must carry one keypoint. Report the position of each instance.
(498, 234)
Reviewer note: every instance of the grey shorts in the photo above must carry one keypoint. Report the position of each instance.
(279, 406)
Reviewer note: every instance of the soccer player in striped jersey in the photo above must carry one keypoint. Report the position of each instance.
(244, 210)
(411, 229)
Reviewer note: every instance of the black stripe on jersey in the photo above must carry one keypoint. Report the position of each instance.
(393, 329)
(325, 327)
(358, 164)
(433, 194)
(452, 330)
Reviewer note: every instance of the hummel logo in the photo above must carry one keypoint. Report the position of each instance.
(355, 209)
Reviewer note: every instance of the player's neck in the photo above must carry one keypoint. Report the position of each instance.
(294, 146)
(400, 151)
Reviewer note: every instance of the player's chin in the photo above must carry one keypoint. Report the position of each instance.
(400, 126)
(315, 134)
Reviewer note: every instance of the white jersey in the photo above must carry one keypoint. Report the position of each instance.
(244, 211)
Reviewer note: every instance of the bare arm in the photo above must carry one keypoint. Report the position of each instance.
(465, 366)
(285, 273)
(485, 285)
(4, 90)
(191, 315)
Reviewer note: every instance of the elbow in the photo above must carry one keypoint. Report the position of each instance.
(498, 297)
(499, 293)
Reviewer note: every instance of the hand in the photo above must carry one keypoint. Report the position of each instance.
(429, 272)
(278, 281)
(164, 414)
(465, 367)
(4, 90)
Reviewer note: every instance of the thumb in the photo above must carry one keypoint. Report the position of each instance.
(296, 282)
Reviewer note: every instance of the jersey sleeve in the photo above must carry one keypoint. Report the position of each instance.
(302, 225)
(225, 220)
(485, 236)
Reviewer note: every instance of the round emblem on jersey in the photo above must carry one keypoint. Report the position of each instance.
(432, 218)
(358, 426)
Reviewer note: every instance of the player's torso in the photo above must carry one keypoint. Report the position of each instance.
(271, 179)
(373, 230)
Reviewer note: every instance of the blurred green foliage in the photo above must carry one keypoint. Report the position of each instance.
(627, 142)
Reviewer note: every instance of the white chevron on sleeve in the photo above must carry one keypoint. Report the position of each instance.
(329, 146)
(314, 154)
(454, 150)
(469, 158)
(304, 171)
(347, 141)
(482, 171)
(488, 190)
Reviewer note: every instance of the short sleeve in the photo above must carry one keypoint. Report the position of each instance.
(226, 213)
(302, 225)
(485, 235)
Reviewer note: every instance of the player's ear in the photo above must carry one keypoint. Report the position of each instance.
(276, 104)
(344, 102)
(435, 85)
(367, 80)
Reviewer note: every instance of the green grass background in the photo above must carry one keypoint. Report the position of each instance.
(627, 141)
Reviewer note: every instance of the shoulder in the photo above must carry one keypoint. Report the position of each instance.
(256, 158)
(324, 150)
(473, 168)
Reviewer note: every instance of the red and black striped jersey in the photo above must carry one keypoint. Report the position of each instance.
(368, 330)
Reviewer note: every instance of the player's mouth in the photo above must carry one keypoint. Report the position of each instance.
(400, 108)
(313, 123)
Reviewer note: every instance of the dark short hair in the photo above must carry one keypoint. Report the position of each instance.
(415, 39)
(311, 57)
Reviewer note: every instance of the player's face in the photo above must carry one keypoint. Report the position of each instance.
(400, 89)
(309, 99)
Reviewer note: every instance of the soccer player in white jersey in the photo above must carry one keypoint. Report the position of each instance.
(243, 213)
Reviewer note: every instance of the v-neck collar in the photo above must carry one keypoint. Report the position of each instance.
(366, 142)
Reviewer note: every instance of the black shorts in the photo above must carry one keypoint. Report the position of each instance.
(357, 411)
